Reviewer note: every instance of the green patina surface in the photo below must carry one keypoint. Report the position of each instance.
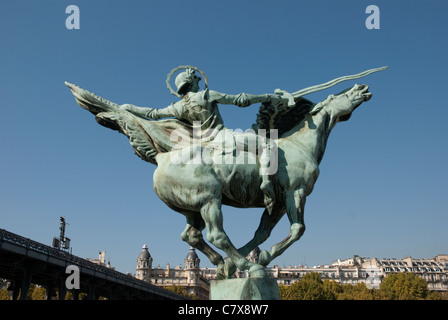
(202, 165)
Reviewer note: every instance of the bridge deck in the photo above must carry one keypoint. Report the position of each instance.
(24, 261)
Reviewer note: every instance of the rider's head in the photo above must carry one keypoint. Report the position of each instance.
(187, 81)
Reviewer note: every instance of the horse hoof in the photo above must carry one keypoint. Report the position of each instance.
(220, 272)
(229, 267)
(264, 258)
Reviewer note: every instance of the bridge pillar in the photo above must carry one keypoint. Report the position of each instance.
(91, 293)
(62, 290)
(113, 293)
(13, 290)
(75, 294)
(49, 292)
(26, 282)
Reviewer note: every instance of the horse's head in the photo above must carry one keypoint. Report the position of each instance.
(347, 101)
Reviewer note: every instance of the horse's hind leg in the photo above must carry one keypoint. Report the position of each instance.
(295, 204)
(193, 236)
(212, 215)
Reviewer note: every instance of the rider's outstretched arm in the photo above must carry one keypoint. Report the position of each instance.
(243, 99)
(151, 113)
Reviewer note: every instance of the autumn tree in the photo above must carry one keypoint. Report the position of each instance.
(332, 289)
(4, 295)
(403, 286)
(358, 291)
(37, 293)
(436, 295)
(310, 287)
(181, 291)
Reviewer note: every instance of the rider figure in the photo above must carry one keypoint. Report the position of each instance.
(202, 106)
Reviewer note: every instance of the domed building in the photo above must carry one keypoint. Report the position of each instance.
(189, 277)
(192, 260)
(144, 265)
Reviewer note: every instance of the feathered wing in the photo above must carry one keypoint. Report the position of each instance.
(282, 118)
(92, 102)
(147, 138)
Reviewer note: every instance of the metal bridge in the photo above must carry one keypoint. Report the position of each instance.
(24, 261)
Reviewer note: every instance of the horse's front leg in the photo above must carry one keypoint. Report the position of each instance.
(295, 204)
(267, 223)
(212, 215)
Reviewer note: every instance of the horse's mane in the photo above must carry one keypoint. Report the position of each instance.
(284, 119)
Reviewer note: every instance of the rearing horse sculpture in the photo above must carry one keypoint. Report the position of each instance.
(199, 189)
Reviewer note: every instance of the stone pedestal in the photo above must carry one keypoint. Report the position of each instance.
(244, 289)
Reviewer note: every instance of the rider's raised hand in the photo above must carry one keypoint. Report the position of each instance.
(242, 100)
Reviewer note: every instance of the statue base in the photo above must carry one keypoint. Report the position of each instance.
(244, 289)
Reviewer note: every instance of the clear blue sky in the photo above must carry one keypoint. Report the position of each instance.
(382, 191)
